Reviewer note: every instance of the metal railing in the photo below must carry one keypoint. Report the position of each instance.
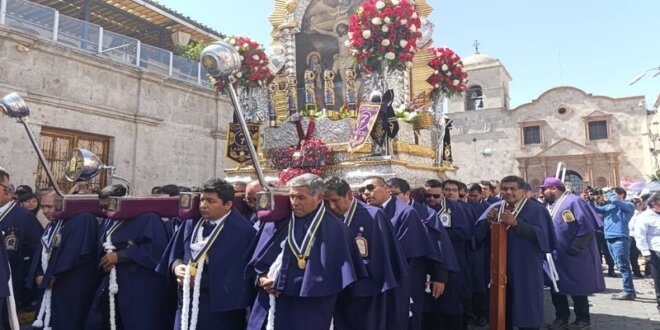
(47, 23)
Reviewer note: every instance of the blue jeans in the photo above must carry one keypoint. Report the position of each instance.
(620, 250)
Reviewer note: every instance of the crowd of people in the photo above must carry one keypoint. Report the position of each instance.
(382, 256)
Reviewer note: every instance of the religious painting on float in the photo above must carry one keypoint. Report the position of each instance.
(321, 45)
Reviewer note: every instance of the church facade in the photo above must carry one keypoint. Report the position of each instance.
(603, 141)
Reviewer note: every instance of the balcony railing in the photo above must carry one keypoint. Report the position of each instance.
(47, 23)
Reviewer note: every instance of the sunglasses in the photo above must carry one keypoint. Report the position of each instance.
(7, 189)
(369, 187)
(436, 196)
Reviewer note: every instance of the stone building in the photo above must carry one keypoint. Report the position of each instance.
(154, 126)
(601, 139)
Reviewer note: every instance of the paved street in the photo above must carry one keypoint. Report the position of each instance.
(608, 314)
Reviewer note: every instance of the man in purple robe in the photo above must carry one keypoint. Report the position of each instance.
(529, 238)
(21, 236)
(363, 305)
(65, 267)
(133, 247)
(317, 260)
(406, 301)
(576, 256)
(208, 258)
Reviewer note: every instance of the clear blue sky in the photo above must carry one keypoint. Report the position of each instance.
(598, 46)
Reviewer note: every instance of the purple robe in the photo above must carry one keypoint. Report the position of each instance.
(525, 262)
(308, 296)
(225, 291)
(73, 265)
(419, 250)
(477, 255)
(142, 297)
(363, 304)
(457, 288)
(24, 226)
(579, 274)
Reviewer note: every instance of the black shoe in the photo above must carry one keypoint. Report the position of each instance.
(482, 321)
(557, 324)
(611, 273)
(623, 296)
(638, 275)
(579, 325)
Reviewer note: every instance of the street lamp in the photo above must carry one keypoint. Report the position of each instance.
(643, 74)
(487, 153)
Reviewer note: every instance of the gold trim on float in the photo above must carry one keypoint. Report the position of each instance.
(353, 164)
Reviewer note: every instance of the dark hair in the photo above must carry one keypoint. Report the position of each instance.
(511, 178)
(620, 191)
(490, 184)
(375, 177)
(433, 183)
(450, 181)
(475, 186)
(170, 189)
(399, 183)
(3, 173)
(156, 190)
(184, 189)
(24, 197)
(113, 190)
(224, 189)
(561, 188)
(645, 197)
(462, 186)
(654, 198)
(337, 185)
(24, 189)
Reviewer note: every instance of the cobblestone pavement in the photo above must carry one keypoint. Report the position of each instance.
(640, 314)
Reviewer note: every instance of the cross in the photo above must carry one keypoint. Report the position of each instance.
(476, 46)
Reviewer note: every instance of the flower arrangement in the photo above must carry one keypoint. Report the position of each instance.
(384, 32)
(254, 65)
(448, 76)
(311, 157)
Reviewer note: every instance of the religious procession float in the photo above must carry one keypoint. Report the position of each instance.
(352, 88)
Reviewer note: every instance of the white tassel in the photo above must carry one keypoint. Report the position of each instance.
(410, 313)
(43, 318)
(113, 286)
(273, 272)
(554, 276)
(188, 321)
(428, 284)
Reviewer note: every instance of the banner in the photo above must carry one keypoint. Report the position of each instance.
(367, 115)
(447, 157)
(237, 148)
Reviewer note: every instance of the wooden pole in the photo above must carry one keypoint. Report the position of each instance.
(498, 246)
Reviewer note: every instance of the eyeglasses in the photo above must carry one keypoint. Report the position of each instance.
(7, 189)
(436, 196)
(369, 187)
(396, 192)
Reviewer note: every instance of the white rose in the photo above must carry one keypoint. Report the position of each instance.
(242, 58)
(444, 67)
(455, 82)
(387, 20)
(437, 85)
(239, 74)
(246, 45)
(409, 65)
(389, 55)
(232, 41)
(423, 20)
(436, 71)
(403, 43)
(385, 42)
(396, 2)
(255, 57)
(385, 28)
(347, 43)
(376, 21)
(414, 15)
(413, 28)
(404, 21)
(366, 34)
(380, 5)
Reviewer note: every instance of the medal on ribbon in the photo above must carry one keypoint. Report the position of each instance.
(301, 252)
(444, 214)
(197, 255)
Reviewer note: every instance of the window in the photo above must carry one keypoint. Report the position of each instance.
(56, 145)
(598, 130)
(474, 98)
(532, 135)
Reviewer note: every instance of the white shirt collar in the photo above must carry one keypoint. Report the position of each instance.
(5, 207)
(220, 220)
(386, 202)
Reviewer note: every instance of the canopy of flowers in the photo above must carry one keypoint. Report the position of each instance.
(254, 65)
(384, 32)
(448, 76)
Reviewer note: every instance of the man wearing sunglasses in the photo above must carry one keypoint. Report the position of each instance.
(21, 232)
(364, 305)
(417, 247)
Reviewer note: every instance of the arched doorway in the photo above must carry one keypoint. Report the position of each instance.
(574, 179)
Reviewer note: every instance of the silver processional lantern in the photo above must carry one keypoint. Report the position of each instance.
(221, 60)
(84, 165)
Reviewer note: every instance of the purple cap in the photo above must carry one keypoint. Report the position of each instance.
(551, 182)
